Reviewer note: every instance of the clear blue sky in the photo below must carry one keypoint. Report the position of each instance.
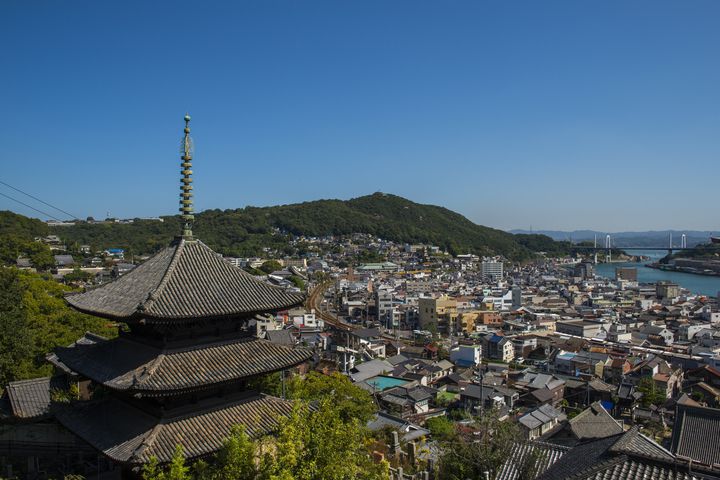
(560, 115)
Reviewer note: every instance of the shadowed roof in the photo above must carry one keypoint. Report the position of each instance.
(125, 364)
(696, 434)
(128, 435)
(186, 280)
(31, 398)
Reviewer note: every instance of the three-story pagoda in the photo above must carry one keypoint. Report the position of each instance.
(178, 375)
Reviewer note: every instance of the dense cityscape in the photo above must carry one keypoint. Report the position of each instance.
(415, 240)
(424, 364)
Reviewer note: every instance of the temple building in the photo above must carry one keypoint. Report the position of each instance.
(179, 373)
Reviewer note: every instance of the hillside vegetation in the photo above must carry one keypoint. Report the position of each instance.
(245, 231)
(34, 319)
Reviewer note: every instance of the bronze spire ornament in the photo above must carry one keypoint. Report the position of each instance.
(186, 204)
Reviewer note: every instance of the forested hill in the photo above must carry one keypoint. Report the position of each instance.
(243, 232)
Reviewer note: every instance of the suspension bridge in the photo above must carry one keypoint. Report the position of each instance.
(609, 246)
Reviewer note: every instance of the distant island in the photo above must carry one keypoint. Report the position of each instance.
(703, 259)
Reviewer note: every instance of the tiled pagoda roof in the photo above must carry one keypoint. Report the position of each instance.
(186, 280)
(126, 364)
(129, 435)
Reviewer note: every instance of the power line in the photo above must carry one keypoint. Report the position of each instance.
(41, 201)
(28, 206)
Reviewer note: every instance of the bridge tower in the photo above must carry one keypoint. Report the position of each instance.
(595, 250)
(683, 241)
(608, 245)
(670, 246)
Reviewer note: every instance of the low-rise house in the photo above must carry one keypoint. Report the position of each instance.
(466, 355)
(540, 388)
(369, 341)
(592, 423)
(541, 421)
(373, 368)
(579, 328)
(652, 333)
(64, 261)
(498, 347)
(478, 397)
(584, 392)
(406, 401)
(408, 431)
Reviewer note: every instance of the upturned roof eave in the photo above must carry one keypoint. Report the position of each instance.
(139, 314)
(159, 393)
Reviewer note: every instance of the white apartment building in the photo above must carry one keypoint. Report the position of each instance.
(492, 269)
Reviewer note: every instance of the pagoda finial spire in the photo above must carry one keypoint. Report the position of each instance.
(186, 204)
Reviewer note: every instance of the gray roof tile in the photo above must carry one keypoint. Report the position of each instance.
(129, 435)
(696, 434)
(125, 364)
(31, 398)
(187, 280)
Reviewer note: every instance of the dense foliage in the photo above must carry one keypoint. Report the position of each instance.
(542, 243)
(323, 442)
(706, 251)
(441, 428)
(34, 319)
(470, 455)
(352, 401)
(651, 394)
(13, 224)
(246, 231)
(15, 336)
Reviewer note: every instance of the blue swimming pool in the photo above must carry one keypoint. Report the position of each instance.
(382, 382)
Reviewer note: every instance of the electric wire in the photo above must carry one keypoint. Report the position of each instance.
(41, 201)
(28, 206)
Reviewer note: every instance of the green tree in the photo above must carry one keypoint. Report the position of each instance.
(471, 455)
(237, 458)
(176, 470)
(78, 275)
(322, 444)
(652, 395)
(316, 443)
(34, 320)
(270, 266)
(15, 337)
(441, 428)
(297, 281)
(353, 402)
(270, 384)
(40, 255)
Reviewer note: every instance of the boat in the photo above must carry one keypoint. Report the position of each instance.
(715, 239)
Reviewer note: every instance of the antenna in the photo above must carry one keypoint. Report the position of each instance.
(186, 204)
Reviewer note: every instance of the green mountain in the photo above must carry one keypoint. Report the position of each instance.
(245, 231)
(18, 225)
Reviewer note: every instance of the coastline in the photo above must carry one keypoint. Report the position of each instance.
(690, 270)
